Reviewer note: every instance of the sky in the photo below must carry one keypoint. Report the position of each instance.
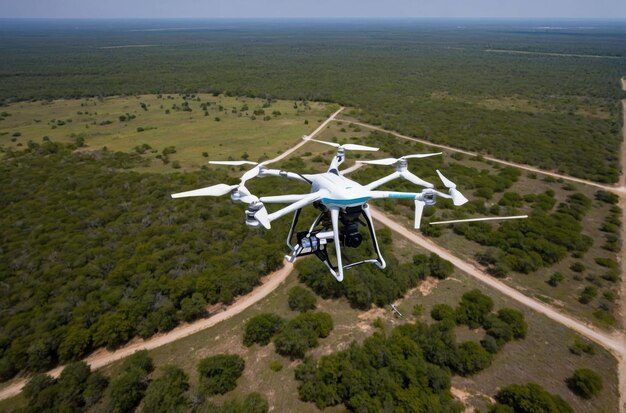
(613, 9)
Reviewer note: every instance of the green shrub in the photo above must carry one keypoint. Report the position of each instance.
(301, 299)
(473, 308)
(442, 311)
(166, 394)
(529, 398)
(219, 374)
(585, 383)
(261, 328)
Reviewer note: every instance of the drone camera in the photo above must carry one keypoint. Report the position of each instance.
(350, 236)
(310, 243)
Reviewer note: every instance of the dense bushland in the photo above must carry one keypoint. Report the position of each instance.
(91, 255)
(428, 79)
(410, 368)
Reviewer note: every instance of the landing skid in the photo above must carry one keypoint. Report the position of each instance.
(326, 229)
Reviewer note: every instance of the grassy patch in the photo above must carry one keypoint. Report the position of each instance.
(121, 124)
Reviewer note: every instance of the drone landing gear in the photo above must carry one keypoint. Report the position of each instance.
(315, 240)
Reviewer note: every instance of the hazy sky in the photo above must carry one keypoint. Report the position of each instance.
(313, 8)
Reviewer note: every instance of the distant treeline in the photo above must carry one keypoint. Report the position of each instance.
(394, 73)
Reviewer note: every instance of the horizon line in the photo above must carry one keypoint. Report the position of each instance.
(612, 18)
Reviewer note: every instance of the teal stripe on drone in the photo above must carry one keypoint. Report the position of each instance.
(345, 201)
(404, 196)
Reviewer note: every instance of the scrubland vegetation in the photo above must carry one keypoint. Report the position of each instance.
(94, 253)
(435, 81)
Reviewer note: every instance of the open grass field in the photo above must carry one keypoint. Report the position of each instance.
(163, 123)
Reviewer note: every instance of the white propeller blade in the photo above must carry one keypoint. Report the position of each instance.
(421, 155)
(263, 217)
(411, 177)
(391, 161)
(215, 190)
(233, 163)
(419, 208)
(386, 161)
(457, 198)
(478, 219)
(348, 146)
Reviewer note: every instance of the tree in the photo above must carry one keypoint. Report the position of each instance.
(219, 374)
(94, 388)
(166, 394)
(515, 320)
(439, 267)
(76, 343)
(585, 382)
(442, 311)
(471, 358)
(301, 333)
(71, 384)
(138, 360)
(473, 308)
(192, 307)
(301, 299)
(530, 398)
(261, 328)
(126, 391)
(112, 330)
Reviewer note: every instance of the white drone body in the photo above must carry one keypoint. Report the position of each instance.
(342, 203)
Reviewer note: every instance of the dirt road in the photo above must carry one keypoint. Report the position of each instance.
(303, 142)
(103, 357)
(621, 189)
(615, 342)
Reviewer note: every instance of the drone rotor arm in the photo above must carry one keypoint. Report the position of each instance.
(285, 174)
(310, 198)
(283, 199)
(383, 180)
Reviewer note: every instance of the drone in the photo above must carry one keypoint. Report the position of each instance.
(342, 204)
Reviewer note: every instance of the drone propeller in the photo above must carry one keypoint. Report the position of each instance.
(234, 163)
(347, 146)
(457, 197)
(419, 209)
(401, 169)
(251, 173)
(455, 221)
(242, 194)
(392, 161)
(215, 190)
